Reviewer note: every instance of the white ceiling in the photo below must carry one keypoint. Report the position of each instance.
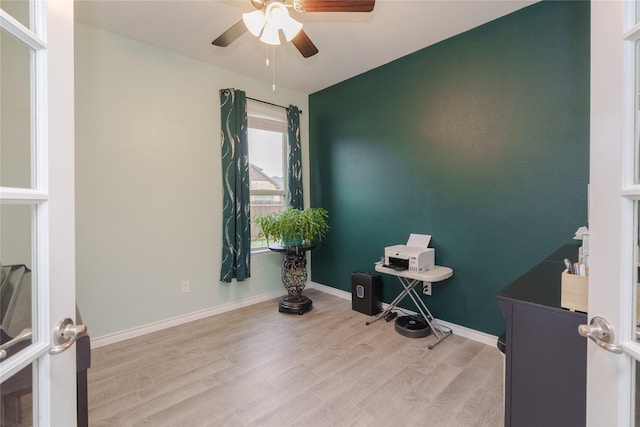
(349, 43)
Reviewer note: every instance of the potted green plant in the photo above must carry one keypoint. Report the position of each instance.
(293, 227)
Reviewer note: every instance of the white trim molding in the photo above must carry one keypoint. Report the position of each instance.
(180, 320)
(462, 331)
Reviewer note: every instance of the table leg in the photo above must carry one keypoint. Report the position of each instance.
(439, 331)
(408, 286)
(389, 308)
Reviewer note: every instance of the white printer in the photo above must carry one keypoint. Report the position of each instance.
(415, 256)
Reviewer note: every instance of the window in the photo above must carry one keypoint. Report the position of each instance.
(267, 163)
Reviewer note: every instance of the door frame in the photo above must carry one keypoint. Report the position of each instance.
(61, 378)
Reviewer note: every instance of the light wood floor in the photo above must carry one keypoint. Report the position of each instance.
(258, 367)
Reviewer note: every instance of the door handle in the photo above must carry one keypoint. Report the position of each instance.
(601, 333)
(65, 334)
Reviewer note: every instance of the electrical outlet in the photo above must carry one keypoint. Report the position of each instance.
(426, 288)
(184, 286)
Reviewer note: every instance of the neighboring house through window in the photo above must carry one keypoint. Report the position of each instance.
(267, 163)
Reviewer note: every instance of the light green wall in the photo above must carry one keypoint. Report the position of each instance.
(148, 183)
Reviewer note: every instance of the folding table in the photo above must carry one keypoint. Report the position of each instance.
(409, 281)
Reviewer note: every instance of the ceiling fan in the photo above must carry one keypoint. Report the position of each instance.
(271, 16)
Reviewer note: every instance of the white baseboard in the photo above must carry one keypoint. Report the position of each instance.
(463, 331)
(180, 320)
(329, 290)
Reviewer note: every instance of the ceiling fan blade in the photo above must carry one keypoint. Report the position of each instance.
(338, 5)
(304, 44)
(230, 35)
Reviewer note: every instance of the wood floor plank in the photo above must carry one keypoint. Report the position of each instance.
(479, 410)
(255, 366)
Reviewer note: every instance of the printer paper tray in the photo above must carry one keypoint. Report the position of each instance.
(395, 267)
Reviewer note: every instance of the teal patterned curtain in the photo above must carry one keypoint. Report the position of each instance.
(236, 231)
(294, 173)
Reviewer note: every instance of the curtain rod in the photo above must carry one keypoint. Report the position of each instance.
(269, 103)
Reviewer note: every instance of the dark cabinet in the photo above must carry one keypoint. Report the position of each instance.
(546, 359)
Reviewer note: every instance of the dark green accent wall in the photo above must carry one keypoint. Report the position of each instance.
(481, 140)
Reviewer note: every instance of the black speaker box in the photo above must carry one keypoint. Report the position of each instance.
(366, 291)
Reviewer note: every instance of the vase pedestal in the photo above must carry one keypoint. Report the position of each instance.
(295, 304)
(294, 278)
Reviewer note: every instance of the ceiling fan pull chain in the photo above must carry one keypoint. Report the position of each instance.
(273, 69)
(267, 60)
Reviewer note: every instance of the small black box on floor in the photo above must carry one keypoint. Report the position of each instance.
(366, 290)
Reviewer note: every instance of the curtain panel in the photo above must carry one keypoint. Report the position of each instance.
(236, 231)
(294, 169)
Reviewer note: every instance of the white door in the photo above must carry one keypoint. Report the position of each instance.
(36, 211)
(613, 212)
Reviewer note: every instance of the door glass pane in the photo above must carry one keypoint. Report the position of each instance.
(16, 108)
(636, 272)
(635, 376)
(19, 10)
(635, 383)
(635, 420)
(16, 406)
(637, 117)
(16, 279)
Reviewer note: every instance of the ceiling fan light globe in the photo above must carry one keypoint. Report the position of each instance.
(270, 35)
(254, 21)
(276, 15)
(291, 28)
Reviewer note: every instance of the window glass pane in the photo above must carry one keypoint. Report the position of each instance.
(266, 160)
(261, 207)
(15, 113)
(267, 149)
(18, 9)
(17, 399)
(267, 163)
(15, 277)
